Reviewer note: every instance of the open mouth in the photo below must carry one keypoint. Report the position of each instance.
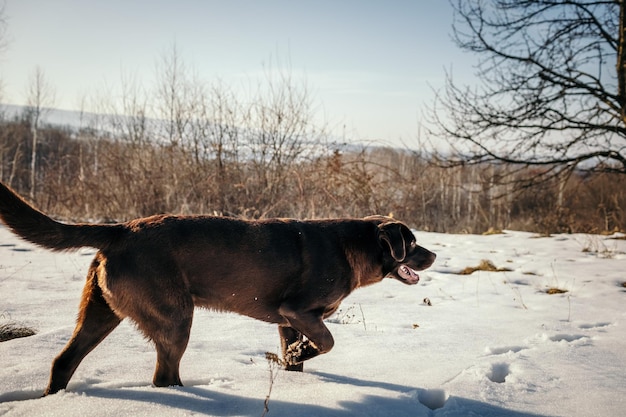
(408, 275)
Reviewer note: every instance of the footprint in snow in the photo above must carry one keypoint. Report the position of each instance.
(499, 372)
(593, 326)
(501, 350)
(568, 338)
(434, 399)
(21, 250)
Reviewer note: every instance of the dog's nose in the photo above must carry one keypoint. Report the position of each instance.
(431, 259)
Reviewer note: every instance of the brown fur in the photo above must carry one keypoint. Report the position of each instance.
(154, 271)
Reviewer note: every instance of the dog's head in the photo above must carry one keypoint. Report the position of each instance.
(402, 256)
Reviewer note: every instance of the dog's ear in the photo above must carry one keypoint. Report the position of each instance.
(391, 235)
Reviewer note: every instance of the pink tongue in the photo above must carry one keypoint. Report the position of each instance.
(409, 274)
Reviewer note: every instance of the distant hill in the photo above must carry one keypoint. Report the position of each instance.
(56, 117)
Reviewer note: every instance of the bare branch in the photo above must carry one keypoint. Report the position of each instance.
(550, 92)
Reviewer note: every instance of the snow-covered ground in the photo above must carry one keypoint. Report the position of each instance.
(490, 343)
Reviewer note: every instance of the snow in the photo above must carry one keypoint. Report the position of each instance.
(490, 343)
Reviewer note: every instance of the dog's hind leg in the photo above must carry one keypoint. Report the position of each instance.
(167, 322)
(151, 292)
(171, 342)
(289, 336)
(95, 321)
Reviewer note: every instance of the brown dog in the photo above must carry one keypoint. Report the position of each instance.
(156, 269)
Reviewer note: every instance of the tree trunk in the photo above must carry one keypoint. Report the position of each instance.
(33, 161)
(621, 60)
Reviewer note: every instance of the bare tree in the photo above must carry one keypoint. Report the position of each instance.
(553, 90)
(3, 38)
(219, 131)
(278, 123)
(40, 98)
(3, 45)
(175, 98)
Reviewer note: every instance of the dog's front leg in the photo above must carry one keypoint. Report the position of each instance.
(299, 352)
(290, 336)
(318, 338)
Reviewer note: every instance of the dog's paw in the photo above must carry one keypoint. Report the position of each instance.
(294, 352)
(300, 351)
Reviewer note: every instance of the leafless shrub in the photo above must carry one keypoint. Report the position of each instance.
(186, 146)
(274, 363)
(97, 176)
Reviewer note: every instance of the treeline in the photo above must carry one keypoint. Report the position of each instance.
(124, 169)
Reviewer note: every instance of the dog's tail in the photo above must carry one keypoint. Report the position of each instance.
(34, 226)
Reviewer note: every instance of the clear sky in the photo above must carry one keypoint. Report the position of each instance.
(370, 65)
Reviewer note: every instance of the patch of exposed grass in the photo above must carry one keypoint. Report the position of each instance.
(493, 231)
(596, 245)
(484, 265)
(540, 235)
(615, 233)
(11, 330)
(554, 290)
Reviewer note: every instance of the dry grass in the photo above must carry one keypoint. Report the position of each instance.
(316, 178)
(274, 363)
(541, 235)
(484, 265)
(554, 290)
